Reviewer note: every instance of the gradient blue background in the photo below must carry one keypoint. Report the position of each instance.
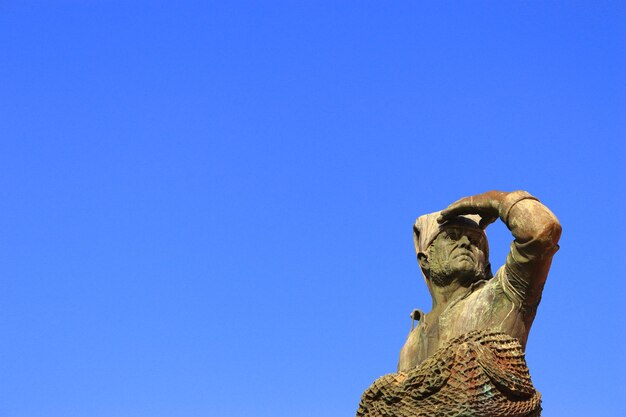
(206, 207)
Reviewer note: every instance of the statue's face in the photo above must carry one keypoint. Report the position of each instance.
(458, 253)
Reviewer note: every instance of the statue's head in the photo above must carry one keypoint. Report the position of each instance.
(455, 251)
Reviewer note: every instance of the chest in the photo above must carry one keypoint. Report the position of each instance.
(479, 311)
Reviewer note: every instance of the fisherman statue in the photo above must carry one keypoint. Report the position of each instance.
(465, 357)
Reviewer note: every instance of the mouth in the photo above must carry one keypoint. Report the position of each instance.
(464, 255)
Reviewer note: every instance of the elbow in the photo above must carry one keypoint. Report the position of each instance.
(531, 221)
(550, 232)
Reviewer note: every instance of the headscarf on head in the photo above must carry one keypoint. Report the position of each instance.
(426, 228)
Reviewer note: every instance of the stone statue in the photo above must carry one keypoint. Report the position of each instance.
(466, 356)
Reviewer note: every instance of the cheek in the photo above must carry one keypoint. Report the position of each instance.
(480, 256)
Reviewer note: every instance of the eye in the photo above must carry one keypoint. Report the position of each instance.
(477, 240)
(453, 234)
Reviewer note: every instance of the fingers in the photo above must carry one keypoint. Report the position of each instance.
(462, 206)
(471, 205)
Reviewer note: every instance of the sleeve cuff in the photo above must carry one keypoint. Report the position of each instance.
(512, 199)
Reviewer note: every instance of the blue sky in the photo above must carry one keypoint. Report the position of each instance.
(207, 206)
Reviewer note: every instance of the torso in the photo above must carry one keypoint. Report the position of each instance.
(484, 306)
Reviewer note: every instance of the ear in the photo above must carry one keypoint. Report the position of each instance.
(422, 259)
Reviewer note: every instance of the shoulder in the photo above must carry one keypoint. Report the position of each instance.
(409, 352)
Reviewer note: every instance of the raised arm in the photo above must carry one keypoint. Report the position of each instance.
(536, 231)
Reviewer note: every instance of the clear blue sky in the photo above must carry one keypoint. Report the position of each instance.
(206, 207)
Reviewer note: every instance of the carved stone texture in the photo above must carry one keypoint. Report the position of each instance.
(465, 356)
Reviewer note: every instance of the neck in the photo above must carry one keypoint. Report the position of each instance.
(443, 295)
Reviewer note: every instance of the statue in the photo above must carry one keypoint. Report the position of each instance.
(466, 356)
